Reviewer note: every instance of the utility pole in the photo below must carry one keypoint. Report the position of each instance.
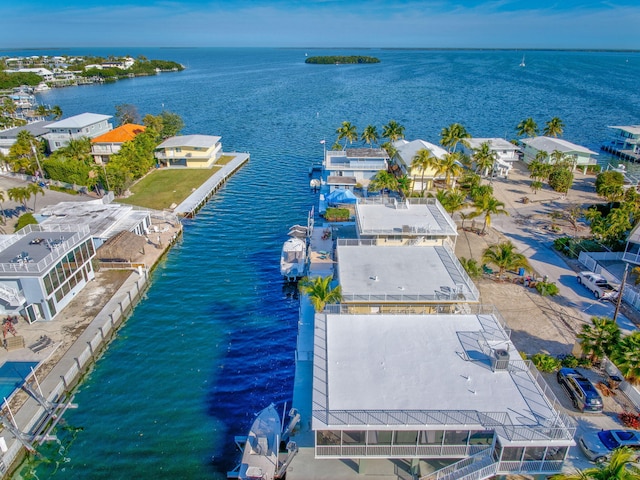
(35, 153)
(624, 281)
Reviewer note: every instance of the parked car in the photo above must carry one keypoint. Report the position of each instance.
(583, 394)
(598, 446)
(598, 285)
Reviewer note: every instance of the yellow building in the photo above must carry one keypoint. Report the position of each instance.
(406, 152)
(191, 151)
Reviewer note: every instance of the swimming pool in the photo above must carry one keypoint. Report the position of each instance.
(12, 375)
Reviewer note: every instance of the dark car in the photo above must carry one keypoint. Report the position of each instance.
(583, 394)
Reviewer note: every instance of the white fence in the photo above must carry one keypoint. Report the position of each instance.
(629, 390)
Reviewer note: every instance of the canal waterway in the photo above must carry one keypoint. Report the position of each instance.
(213, 341)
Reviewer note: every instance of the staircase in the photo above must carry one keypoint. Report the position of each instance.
(12, 296)
(476, 467)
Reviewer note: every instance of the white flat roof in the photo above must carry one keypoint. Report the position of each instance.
(202, 141)
(79, 121)
(402, 274)
(494, 143)
(392, 363)
(550, 144)
(632, 129)
(392, 218)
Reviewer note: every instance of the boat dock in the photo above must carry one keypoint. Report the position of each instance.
(628, 155)
(202, 194)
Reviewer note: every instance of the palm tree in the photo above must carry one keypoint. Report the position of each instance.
(554, 128)
(626, 356)
(404, 185)
(320, 292)
(393, 131)
(599, 339)
(453, 201)
(390, 149)
(527, 127)
(384, 180)
(504, 256)
(348, 132)
(56, 111)
(19, 195)
(424, 160)
(34, 189)
(42, 111)
(488, 205)
(485, 158)
(451, 168)
(3, 198)
(452, 135)
(619, 467)
(370, 135)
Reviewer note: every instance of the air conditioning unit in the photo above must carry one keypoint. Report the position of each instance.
(500, 360)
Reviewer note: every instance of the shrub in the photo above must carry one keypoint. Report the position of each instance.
(569, 361)
(337, 214)
(24, 220)
(545, 362)
(547, 288)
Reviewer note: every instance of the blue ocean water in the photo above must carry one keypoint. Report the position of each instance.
(213, 342)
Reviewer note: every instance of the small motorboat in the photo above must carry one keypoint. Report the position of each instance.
(293, 259)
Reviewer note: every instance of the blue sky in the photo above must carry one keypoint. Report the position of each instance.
(322, 23)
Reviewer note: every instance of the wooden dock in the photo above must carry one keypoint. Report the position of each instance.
(202, 194)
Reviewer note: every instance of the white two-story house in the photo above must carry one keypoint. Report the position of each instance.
(88, 125)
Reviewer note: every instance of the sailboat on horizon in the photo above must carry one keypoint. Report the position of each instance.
(522, 64)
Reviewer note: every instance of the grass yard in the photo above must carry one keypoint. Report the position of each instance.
(164, 187)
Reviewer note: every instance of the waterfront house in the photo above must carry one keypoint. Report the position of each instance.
(353, 167)
(406, 152)
(10, 136)
(109, 143)
(42, 267)
(506, 153)
(581, 156)
(192, 151)
(46, 74)
(411, 221)
(625, 142)
(74, 128)
(426, 390)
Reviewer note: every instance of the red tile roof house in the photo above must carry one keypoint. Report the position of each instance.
(109, 143)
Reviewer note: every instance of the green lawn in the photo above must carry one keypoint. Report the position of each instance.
(164, 187)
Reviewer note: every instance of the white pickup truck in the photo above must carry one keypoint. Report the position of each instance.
(598, 285)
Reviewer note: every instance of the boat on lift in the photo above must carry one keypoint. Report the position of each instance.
(293, 259)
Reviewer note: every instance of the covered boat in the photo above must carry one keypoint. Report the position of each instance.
(260, 454)
(294, 258)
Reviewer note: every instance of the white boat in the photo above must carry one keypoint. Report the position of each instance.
(260, 454)
(522, 64)
(41, 87)
(293, 258)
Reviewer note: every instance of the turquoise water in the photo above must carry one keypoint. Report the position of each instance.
(213, 341)
(12, 375)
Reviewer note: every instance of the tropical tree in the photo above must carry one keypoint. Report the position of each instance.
(77, 149)
(626, 356)
(450, 166)
(384, 181)
(127, 113)
(488, 206)
(452, 135)
(554, 127)
(424, 160)
(33, 189)
(453, 200)
(3, 198)
(610, 185)
(599, 338)
(504, 256)
(471, 266)
(527, 127)
(485, 158)
(370, 135)
(41, 111)
(320, 292)
(619, 467)
(404, 185)
(19, 195)
(390, 149)
(56, 111)
(393, 131)
(348, 132)
(21, 154)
